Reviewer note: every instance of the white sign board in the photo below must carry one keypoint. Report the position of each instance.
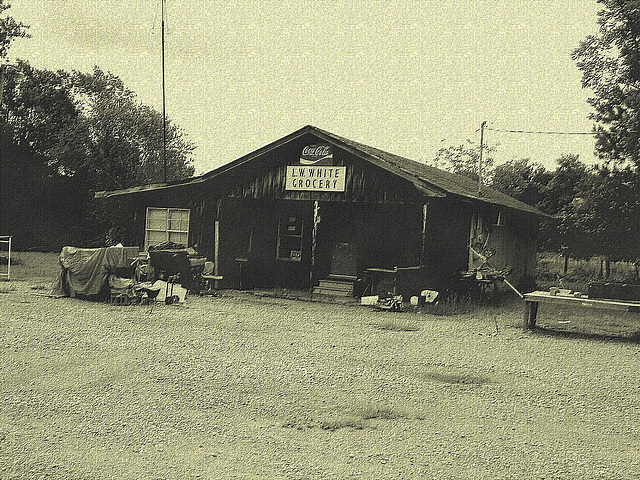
(316, 178)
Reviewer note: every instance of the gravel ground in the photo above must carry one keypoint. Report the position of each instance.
(242, 386)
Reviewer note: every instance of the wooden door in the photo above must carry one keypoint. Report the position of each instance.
(344, 260)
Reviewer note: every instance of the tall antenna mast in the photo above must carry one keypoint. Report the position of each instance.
(482, 125)
(164, 114)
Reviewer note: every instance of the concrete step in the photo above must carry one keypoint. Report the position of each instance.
(334, 284)
(333, 292)
(341, 278)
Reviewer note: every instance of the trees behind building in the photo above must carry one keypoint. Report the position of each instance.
(65, 135)
(596, 208)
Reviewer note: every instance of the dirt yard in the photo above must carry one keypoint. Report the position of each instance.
(246, 386)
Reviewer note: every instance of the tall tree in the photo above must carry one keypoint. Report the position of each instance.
(521, 179)
(10, 29)
(610, 64)
(88, 133)
(609, 214)
(563, 196)
(126, 144)
(90, 126)
(463, 160)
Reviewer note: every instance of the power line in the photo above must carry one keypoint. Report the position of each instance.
(539, 132)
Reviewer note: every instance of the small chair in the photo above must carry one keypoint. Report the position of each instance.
(209, 277)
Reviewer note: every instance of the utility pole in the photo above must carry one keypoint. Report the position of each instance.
(482, 125)
(164, 114)
(2, 68)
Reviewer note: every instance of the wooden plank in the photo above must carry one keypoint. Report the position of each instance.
(531, 301)
(338, 277)
(314, 238)
(545, 297)
(423, 237)
(216, 252)
(336, 293)
(336, 285)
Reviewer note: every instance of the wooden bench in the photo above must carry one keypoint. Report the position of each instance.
(531, 301)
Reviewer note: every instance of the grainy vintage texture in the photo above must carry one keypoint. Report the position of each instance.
(246, 386)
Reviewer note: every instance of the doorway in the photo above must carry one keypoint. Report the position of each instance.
(337, 240)
(344, 259)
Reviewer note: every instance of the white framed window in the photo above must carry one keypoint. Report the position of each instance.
(166, 225)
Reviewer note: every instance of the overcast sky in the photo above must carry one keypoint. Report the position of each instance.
(405, 76)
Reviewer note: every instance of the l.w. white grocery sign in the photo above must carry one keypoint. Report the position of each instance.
(315, 178)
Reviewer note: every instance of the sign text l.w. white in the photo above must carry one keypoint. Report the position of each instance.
(316, 178)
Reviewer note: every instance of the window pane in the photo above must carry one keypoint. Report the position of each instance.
(178, 238)
(179, 225)
(157, 224)
(156, 237)
(167, 224)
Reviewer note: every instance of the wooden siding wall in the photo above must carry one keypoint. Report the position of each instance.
(379, 212)
(514, 243)
(384, 235)
(130, 212)
(265, 179)
(446, 246)
(241, 218)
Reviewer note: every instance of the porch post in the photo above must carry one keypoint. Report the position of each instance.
(216, 255)
(314, 234)
(423, 244)
(216, 243)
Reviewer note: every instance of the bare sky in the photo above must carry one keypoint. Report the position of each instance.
(405, 76)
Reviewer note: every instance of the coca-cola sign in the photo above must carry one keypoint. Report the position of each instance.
(316, 155)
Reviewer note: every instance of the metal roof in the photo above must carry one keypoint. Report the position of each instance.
(430, 181)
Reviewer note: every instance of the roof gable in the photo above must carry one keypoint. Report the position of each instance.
(428, 180)
(451, 183)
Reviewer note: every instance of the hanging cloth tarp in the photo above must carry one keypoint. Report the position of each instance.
(85, 271)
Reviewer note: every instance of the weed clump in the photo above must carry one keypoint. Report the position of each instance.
(455, 378)
(397, 326)
(355, 418)
(378, 412)
(452, 304)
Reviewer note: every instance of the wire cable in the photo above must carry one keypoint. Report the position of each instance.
(538, 132)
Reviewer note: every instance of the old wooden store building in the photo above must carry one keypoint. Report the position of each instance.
(314, 209)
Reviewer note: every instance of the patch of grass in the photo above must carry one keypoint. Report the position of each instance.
(331, 422)
(4, 260)
(395, 325)
(355, 418)
(381, 412)
(455, 378)
(550, 272)
(299, 423)
(27, 266)
(348, 421)
(450, 305)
